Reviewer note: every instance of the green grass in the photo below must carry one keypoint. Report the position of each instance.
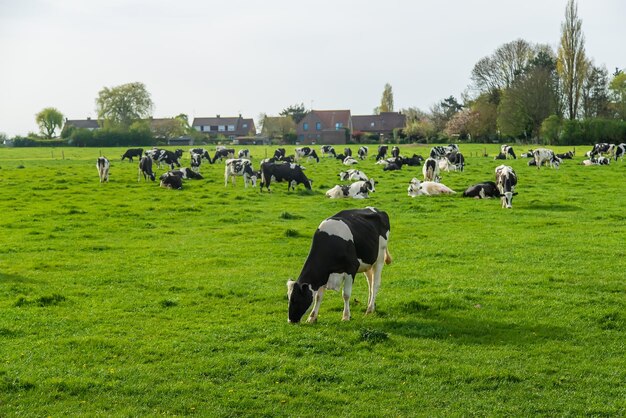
(126, 299)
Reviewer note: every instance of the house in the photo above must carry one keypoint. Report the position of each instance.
(230, 127)
(382, 124)
(88, 123)
(325, 127)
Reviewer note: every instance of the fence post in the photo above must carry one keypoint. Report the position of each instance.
(63, 154)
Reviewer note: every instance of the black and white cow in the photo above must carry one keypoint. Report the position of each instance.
(153, 153)
(244, 153)
(103, 165)
(382, 152)
(306, 152)
(187, 174)
(620, 150)
(395, 151)
(566, 155)
(456, 160)
(602, 148)
(171, 180)
(352, 175)
(362, 152)
(528, 154)
(279, 154)
(415, 160)
(196, 161)
(484, 190)
(350, 242)
(546, 156)
(291, 173)
(145, 168)
(427, 188)
(347, 152)
(357, 190)
(203, 153)
(223, 154)
(328, 150)
(169, 158)
(349, 161)
(131, 153)
(430, 170)
(393, 165)
(239, 167)
(438, 152)
(451, 148)
(507, 151)
(506, 180)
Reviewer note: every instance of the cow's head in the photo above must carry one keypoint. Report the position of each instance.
(343, 176)
(300, 299)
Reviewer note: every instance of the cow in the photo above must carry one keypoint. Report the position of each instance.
(279, 153)
(187, 174)
(382, 152)
(506, 180)
(546, 156)
(196, 161)
(395, 152)
(131, 153)
(500, 156)
(347, 152)
(362, 152)
(349, 242)
(352, 175)
(601, 149)
(349, 161)
(427, 188)
(528, 154)
(566, 155)
(451, 148)
(203, 153)
(171, 180)
(393, 165)
(483, 190)
(430, 170)
(507, 150)
(603, 161)
(103, 165)
(306, 152)
(244, 153)
(239, 167)
(438, 152)
(223, 153)
(415, 160)
(291, 173)
(170, 158)
(145, 168)
(357, 190)
(328, 150)
(620, 150)
(456, 161)
(153, 153)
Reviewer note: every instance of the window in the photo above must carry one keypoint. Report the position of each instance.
(231, 128)
(318, 126)
(305, 126)
(372, 124)
(221, 128)
(338, 125)
(245, 125)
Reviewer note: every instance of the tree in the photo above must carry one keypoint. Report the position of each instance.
(386, 101)
(297, 112)
(618, 90)
(551, 130)
(461, 123)
(277, 126)
(122, 105)
(595, 94)
(499, 71)
(484, 126)
(572, 62)
(49, 119)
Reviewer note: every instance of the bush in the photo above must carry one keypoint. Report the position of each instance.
(591, 131)
(20, 141)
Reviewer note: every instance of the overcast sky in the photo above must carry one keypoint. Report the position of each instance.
(240, 56)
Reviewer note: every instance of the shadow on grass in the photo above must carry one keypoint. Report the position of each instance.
(556, 207)
(14, 278)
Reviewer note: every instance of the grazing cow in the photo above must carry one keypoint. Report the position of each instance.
(153, 153)
(131, 153)
(507, 150)
(506, 180)
(279, 154)
(350, 242)
(352, 175)
(427, 188)
(438, 152)
(244, 153)
(239, 167)
(145, 168)
(546, 156)
(196, 161)
(620, 150)
(291, 173)
(203, 153)
(349, 161)
(483, 190)
(171, 180)
(363, 150)
(382, 152)
(602, 148)
(306, 152)
(328, 150)
(102, 164)
(566, 156)
(415, 160)
(223, 153)
(340, 157)
(347, 152)
(357, 190)
(430, 170)
(500, 156)
(528, 154)
(187, 174)
(395, 152)
(170, 158)
(456, 161)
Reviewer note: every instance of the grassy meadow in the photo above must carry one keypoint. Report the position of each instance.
(127, 299)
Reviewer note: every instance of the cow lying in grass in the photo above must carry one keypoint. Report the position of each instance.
(427, 188)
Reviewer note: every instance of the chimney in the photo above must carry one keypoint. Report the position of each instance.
(218, 116)
(88, 117)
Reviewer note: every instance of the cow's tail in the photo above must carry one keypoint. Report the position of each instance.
(388, 258)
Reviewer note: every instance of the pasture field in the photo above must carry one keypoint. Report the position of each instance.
(127, 299)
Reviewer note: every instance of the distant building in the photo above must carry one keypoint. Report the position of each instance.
(382, 124)
(91, 124)
(325, 127)
(230, 127)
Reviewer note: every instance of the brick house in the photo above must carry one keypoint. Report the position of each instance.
(382, 124)
(230, 127)
(325, 127)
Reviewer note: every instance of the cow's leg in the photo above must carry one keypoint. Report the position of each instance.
(346, 292)
(317, 301)
(138, 175)
(375, 272)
